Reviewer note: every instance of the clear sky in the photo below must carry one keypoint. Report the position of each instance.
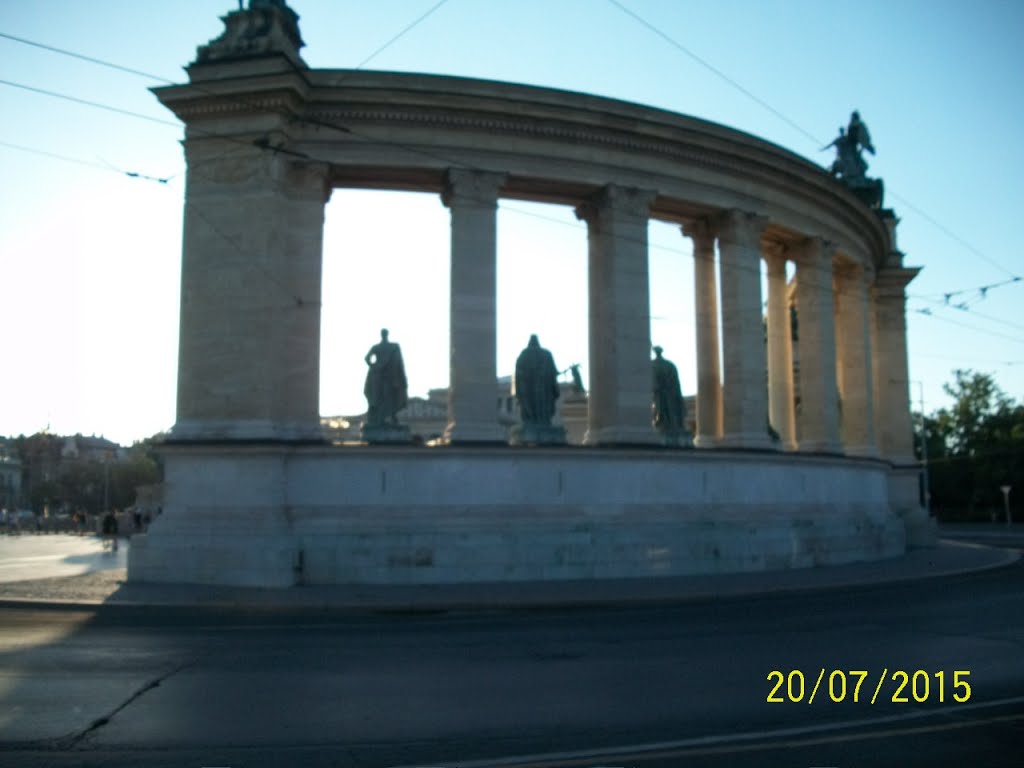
(90, 257)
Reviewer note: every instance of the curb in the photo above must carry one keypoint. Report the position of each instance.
(436, 605)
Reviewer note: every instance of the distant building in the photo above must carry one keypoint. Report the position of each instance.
(10, 482)
(90, 448)
(427, 417)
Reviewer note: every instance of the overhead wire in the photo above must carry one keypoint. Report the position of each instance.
(57, 156)
(964, 308)
(263, 143)
(357, 134)
(679, 46)
(391, 41)
(928, 313)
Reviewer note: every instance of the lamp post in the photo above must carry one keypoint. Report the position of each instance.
(924, 452)
(106, 485)
(1006, 503)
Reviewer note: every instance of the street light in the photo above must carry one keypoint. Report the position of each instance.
(924, 453)
(1006, 502)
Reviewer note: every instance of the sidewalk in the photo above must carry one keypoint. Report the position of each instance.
(108, 588)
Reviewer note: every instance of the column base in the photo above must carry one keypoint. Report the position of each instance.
(393, 434)
(820, 446)
(622, 436)
(706, 441)
(475, 433)
(536, 434)
(862, 451)
(248, 430)
(905, 501)
(748, 440)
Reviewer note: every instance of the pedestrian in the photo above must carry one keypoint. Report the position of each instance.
(110, 530)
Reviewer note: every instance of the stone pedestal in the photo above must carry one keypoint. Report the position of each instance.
(537, 434)
(394, 434)
(905, 501)
(682, 439)
(225, 520)
(274, 515)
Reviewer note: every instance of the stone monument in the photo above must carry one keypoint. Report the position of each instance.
(536, 388)
(387, 392)
(255, 496)
(668, 410)
(850, 167)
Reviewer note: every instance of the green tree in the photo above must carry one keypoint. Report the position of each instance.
(974, 447)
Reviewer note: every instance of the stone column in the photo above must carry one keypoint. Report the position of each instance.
(620, 327)
(856, 383)
(892, 385)
(744, 387)
(249, 341)
(781, 412)
(472, 197)
(819, 417)
(709, 375)
(896, 433)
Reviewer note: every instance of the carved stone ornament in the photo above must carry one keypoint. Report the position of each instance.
(263, 28)
(472, 188)
(618, 201)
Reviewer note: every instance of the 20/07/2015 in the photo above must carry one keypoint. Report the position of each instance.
(843, 685)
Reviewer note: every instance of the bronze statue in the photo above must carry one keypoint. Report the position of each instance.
(386, 388)
(536, 384)
(668, 408)
(850, 167)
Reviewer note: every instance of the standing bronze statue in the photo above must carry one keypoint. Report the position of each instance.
(668, 409)
(536, 388)
(386, 388)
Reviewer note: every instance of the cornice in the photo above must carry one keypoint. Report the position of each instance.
(677, 152)
(764, 165)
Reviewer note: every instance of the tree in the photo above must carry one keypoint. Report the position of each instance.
(974, 447)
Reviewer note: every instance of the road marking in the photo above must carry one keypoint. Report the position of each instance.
(743, 742)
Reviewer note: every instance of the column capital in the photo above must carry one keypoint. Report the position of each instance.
(847, 273)
(308, 181)
(702, 232)
(775, 255)
(630, 201)
(890, 282)
(468, 187)
(741, 227)
(816, 251)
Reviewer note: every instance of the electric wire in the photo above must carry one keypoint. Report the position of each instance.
(928, 313)
(415, 150)
(86, 102)
(56, 156)
(682, 48)
(964, 308)
(83, 57)
(401, 34)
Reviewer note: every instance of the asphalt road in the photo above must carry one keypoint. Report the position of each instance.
(33, 556)
(656, 686)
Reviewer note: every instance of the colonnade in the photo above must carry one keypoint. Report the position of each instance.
(852, 335)
(850, 381)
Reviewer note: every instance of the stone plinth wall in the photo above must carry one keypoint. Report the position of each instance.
(276, 516)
